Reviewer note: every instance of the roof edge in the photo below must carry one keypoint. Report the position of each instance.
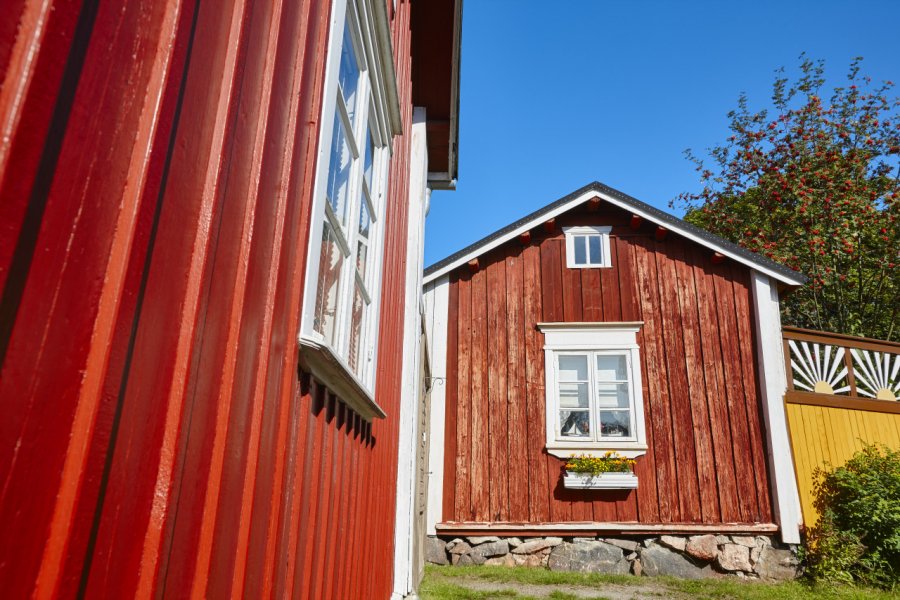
(750, 259)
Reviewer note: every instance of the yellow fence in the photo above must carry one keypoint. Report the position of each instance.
(843, 393)
(821, 435)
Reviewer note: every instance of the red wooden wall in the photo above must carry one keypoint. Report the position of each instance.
(156, 168)
(706, 458)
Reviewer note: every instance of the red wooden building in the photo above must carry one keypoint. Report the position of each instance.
(596, 324)
(211, 222)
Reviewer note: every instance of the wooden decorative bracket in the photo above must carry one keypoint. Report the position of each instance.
(525, 238)
(550, 225)
(661, 233)
(636, 221)
(718, 258)
(473, 265)
(593, 204)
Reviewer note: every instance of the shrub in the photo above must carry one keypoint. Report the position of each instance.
(857, 538)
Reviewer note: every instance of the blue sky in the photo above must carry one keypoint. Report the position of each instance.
(557, 94)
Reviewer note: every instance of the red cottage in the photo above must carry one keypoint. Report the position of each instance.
(210, 263)
(601, 324)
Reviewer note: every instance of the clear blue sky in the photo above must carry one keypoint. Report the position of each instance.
(558, 94)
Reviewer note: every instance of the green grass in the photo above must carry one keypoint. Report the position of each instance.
(441, 584)
(441, 590)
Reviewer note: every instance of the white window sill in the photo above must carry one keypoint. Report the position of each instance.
(596, 449)
(317, 358)
(597, 266)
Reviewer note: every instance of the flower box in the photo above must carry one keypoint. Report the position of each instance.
(600, 481)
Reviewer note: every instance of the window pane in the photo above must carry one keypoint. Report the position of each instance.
(615, 423)
(370, 160)
(365, 219)
(356, 328)
(362, 252)
(612, 367)
(330, 262)
(574, 423)
(339, 171)
(573, 367)
(594, 247)
(573, 395)
(612, 395)
(580, 251)
(362, 249)
(348, 75)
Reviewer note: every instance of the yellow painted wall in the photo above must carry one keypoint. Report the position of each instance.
(820, 434)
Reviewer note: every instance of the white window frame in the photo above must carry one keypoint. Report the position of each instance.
(588, 230)
(328, 359)
(593, 339)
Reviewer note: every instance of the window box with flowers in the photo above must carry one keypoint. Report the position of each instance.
(608, 472)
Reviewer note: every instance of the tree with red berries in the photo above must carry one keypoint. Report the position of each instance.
(815, 186)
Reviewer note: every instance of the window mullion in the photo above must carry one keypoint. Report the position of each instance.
(348, 126)
(592, 402)
(348, 278)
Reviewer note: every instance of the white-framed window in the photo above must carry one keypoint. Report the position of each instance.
(587, 247)
(339, 325)
(593, 391)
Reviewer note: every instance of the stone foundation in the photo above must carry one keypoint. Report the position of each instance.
(687, 557)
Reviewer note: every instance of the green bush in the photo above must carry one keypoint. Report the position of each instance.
(857, 538)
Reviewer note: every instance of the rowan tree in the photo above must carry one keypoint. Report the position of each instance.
(814, 184)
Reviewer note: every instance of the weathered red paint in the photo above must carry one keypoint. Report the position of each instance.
(156, 170)
(706, 460)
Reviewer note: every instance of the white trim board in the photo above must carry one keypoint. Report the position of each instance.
(437, 299)
(411, 394)
(772, 385)
(594, 193)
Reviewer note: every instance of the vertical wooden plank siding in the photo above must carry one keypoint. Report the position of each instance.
(516, 407)
(822, 435)
(498, 391)
(696, 353)
(535, 383)
(156, 175)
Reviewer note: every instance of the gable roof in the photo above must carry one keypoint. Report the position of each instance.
(750, 259)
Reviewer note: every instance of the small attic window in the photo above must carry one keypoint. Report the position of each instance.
(587, 247)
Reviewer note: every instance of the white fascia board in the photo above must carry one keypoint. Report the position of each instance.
(563, 208)
(772, 385)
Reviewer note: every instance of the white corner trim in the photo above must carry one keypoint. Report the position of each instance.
(411, 394)
(527, 226)
(437, 298)
(773, 384)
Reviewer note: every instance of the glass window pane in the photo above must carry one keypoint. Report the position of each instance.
(365, 219)
(594, 246)
(573, 395)
(612, 367)
(573, 367)
(615, 423)
(330, 261)
(574, 423)
(348, 75)
(356, 329)
(612, 395)
(580, 251)
(362, 252)
(370, 160)
(339, 171)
